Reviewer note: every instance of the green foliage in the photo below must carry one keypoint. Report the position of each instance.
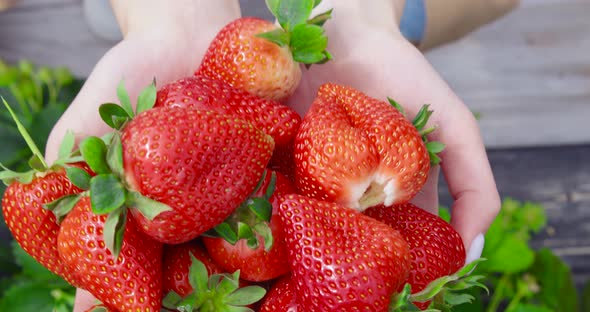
(34, 288)
(38, 95)
(519, 277)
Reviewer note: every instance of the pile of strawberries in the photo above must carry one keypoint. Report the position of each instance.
(212, 195)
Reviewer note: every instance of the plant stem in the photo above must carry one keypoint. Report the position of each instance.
(498, 293)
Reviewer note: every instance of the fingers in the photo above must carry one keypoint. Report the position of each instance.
(84, 300)
(427, 199)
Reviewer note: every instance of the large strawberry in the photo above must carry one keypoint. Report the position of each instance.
(253, 54)
(359, 151)
(274, 118)
(436, 249)
(262, 255)
(180, 170)
(129, 282)
(341, 260)
(33, 227)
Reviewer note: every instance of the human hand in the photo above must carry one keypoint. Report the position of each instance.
(371, 55)
(162, 42)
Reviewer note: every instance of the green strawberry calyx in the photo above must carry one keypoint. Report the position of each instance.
(443, 293)
(218, 292)
(303, 35)
(109, 193)
(250, 219)
(419, 121)
(67, 154)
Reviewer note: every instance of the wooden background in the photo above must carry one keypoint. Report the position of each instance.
(528, 75)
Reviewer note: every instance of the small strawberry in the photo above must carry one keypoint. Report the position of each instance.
(359, 151)
(213, 292)
(33, 227)
(436, 249)
(254, 55)
(181, 171)
(129, 282)
(275, 119)
(341, 260)
(281, 297)
(261, 254)
(177, 262)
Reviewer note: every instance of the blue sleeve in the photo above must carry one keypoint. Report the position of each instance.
(413, 21)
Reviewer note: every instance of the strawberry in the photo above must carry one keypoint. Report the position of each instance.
(283, 161)
(27, 196)
(359, 151)
(341, 260)
(436, 249)
(176, 264)
(129, 282)
(254, 55)
(281, 297)
(213, 292)
(275, 119)
(258, 257)
(180, 170)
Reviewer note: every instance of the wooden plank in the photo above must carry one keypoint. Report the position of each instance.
(529, 80)
(559, 179)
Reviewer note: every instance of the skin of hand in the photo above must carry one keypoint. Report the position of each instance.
(161, 41)
(370, 54)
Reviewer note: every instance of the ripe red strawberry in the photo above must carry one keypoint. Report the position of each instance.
(130, 282)
(283, 161)
(359, 151)
(253, 54)
(281, 297)
(259, 262)
(341, 260)
(274, 118)
(176, 264)
(28, 194)
(200, 163)
(436, 249)
(34, 228)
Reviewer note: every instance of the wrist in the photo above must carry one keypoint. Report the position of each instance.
(187, 20)
(355, 15)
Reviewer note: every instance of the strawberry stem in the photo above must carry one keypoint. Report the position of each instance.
(28, 139)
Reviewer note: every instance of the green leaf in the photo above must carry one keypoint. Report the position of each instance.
(94, 151)
(261, 208)
(512, 255)
(458, 298)
(37, 164)
(25, 134)
(396, 105)
(291, 13)
(277, 36)
(27, 297)
(586, 298)
(62, 206)
(264, 230)
(115, 155)
(114, 228)
(148, 207)
(79, 177)
(225, 231)
(245, 296)
(308, 43)
(273, 6)
(558, 290)
(171, 300)
(106, 193)
(320, 19)
(67, 145)
(422, 117)
(124, 98)
(445, 214)
(435, 147)
(113, 115)
(198, 276)
(147, 98)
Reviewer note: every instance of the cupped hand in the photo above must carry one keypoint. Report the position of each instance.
(379, 62)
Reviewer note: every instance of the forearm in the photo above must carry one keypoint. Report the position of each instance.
(450, 20)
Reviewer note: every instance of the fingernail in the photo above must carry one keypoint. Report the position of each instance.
(475, 249)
